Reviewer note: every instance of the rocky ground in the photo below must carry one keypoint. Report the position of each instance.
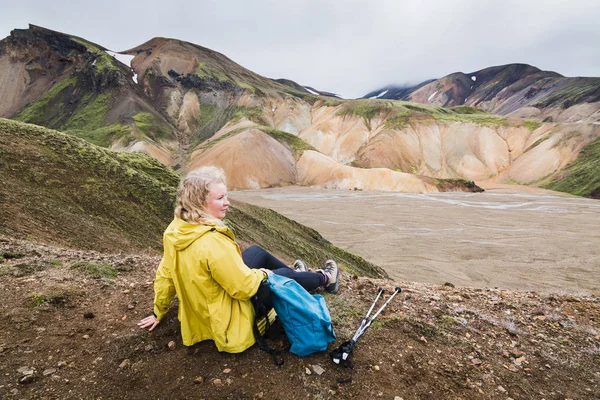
(68, 330)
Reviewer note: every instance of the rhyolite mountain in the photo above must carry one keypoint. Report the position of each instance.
(505, 90)
(187, 105)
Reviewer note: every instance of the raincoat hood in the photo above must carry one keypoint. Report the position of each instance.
(181, 234)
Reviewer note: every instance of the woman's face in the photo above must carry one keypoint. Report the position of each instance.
(216, 201)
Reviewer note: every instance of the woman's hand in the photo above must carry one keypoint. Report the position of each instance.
(149, 322)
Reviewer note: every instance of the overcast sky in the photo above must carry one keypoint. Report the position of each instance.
(349, 47)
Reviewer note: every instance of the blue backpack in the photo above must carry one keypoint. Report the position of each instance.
(305, 317)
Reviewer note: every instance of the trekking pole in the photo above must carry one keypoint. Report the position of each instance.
(341, 355)
(362, 328)
(366, 318)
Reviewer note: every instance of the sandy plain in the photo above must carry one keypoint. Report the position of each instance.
(507, 237)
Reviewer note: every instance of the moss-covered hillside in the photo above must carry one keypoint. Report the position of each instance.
(63, 190)
(582, 176)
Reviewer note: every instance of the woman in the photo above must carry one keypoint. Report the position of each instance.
(203, 265)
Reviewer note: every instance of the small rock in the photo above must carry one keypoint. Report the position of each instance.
(86, 337)
(199, 380)
(27, 379)
(519, 361)
(516, 353)
(307, 370)
(398, 398)
(476, 361)
(148, 347)
(423, 339)
(501, 389)
(126, 363)
(317, 369)
(445, 284)
(227, 370)
(49, 371)
(171, 345)
(61, 364)
(25, 371)
(130, 306)
(55, 378)
(126, 291)
(217, 382)
(259, 395)
(376, 367)
(88, 315)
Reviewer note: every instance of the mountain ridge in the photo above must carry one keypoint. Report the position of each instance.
(187, 105)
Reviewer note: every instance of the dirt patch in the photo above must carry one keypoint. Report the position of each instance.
(431, 342)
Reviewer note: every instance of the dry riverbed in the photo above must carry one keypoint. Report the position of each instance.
(504, 237)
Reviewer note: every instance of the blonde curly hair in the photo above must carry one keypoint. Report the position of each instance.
(193, 192)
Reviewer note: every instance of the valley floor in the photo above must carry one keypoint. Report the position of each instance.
(509, 237)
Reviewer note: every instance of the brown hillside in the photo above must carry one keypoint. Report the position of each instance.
(57, 340)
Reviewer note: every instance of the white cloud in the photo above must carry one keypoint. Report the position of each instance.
(347, 47)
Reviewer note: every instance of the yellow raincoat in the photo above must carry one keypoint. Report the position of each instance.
(203, 265)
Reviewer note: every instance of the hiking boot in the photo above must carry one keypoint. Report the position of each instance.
(300, 266)
(332, 272)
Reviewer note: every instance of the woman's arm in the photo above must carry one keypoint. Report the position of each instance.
(228, 269)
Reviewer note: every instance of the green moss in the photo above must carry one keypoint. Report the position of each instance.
(531, 124)
(293, 141)
(366, 109)
(466, 110)
(398, 120)
(103, 136)
(90, 112)
(54, 296)
(252, 114)
(214, 71)
(46, 110)
(104, 62)
(582, 176)
(207, 113)
(151, 126)
(398, 114)
(577, 91)
(150, 166)
(97, 270)
(101, 194)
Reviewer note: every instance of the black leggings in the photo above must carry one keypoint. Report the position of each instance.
(256, 257)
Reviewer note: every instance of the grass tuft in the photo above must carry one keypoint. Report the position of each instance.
(96, 270)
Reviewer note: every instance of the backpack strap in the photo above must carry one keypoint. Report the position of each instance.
(262, 344)
(262, 304)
